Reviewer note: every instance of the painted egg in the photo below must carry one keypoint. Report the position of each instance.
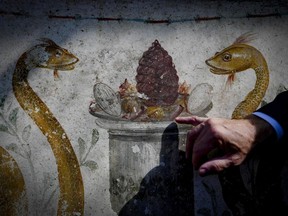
(107, 99)
(200, 98)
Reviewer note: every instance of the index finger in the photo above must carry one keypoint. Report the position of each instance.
(194, 120)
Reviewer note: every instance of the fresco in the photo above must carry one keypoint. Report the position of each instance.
(49, 55)
(89, 91)
(160, 107)
(157, 96)
(13, 192)
(136, 117)
(237, 58)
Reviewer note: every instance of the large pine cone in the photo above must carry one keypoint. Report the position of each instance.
(157, 77)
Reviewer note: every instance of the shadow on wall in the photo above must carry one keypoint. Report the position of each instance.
(168, 188)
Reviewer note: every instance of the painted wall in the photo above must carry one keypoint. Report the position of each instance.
(109, 38)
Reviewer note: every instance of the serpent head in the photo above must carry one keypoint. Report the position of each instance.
(235, 58)
(49, 55)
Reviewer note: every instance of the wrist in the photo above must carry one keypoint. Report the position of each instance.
(262, 129)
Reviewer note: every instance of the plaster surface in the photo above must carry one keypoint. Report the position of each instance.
(109, 38)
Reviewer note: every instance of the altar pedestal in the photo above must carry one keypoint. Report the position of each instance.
(136, 148)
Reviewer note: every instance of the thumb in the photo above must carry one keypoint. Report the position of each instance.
(216, 165)
(194, 120)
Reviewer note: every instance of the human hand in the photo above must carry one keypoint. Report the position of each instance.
(214, 144)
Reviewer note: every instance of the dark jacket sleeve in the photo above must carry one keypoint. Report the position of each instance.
(278, 109)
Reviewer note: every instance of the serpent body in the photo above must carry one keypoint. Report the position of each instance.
(240, 57)
(50, 55)
(13, 195)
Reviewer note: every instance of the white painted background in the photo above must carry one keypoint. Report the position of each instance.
(109, 52)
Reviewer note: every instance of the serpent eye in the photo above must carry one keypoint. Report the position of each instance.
(58, 53)
(216, 53)
(226, 57)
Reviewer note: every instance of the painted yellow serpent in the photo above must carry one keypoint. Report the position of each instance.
(239, 57)
(49, 55)
(12, 186)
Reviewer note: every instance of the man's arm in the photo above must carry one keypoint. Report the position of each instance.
(233, 138)
(214, 144)
(278, 111)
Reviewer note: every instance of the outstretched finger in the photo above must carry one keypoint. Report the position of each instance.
(194, 120)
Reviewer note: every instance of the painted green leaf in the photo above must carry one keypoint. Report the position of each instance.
(2, 101)
(82, 146)
(13, 147)
(4, 128)
(95, 137)
(26, 133)
(13, 116)
(9, 106)
(92, 165)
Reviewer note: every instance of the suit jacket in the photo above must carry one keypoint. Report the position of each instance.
(268, 180)
(278, 109)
